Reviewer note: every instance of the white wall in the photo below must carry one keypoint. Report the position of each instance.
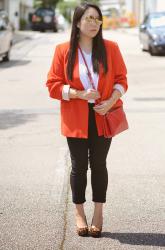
(28, 3)
(12, 9)
(160, 5)
(13, 6)
(129, 5)
(106, 4)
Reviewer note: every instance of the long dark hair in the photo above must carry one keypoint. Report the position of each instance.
(98, 49)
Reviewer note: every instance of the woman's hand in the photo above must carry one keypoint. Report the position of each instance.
(103, 107)
(88, 94)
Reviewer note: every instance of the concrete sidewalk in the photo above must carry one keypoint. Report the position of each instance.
(130, 31)
(20, 35)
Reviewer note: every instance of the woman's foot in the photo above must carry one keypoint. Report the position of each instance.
(96, 227)
(81, 221)
(82, 227)
(97, 221)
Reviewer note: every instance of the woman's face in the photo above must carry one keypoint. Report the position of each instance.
(90, 22)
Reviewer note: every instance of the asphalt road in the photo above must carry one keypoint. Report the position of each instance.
(36, 211)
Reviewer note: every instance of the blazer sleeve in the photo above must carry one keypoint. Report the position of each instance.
(120, 69)
(55, 77)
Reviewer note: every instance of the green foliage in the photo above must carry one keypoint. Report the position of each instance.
(67, 7)
(65, 4)
(45, 3)
(23, 24)
(92, 1)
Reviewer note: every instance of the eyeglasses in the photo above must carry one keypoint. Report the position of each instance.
(91, 19)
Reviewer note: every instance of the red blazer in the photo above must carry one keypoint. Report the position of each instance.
(74, 113)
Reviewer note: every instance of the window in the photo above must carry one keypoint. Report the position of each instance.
(157, 21)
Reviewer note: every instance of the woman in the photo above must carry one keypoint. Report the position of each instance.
(88, 76)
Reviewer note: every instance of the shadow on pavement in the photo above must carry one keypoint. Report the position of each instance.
(11, 119)
(145, 239)
(4, 65)
(20, 37)
(160, 55)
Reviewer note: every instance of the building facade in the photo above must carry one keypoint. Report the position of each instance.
(106, 4)
(17, 10)
(142, 7)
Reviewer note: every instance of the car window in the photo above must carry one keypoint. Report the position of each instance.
(158, 21)
(45, 12)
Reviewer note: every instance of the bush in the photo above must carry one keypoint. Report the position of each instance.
(23, 24)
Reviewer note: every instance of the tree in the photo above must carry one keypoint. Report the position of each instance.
(45, 3)
(67, 7)
(92, 1)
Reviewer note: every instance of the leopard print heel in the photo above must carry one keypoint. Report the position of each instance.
(95, 231)
(83, 231)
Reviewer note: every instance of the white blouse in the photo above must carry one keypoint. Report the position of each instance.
(83, 72)
(84, 77)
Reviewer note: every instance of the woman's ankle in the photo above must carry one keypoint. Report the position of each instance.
(79, 210)
(98, 209)
(97, 219)
(80, 219)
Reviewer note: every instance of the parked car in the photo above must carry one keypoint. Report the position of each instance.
(44, 19)
(152, 33)
(6, 36)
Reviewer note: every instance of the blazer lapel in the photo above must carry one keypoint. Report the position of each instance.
(101, 80)
(76, 73)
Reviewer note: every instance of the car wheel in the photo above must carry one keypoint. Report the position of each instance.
(142, 47)
(152, 51)
(6, 58)
(55, 29)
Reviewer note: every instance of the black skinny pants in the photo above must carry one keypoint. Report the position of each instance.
(94, 150)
